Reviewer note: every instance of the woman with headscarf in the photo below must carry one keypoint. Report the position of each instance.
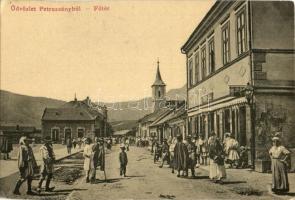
(87, 153)
(26, 165)
(279, 155)
(216, 155)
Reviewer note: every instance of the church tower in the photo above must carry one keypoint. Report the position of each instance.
(158, 90)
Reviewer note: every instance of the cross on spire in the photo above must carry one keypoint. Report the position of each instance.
(158, 80)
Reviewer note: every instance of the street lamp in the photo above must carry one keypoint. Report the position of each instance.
(249, 94)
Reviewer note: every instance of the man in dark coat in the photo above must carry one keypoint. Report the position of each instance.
(95, 159)
(192, 156)
(180, 156)
(165, 153)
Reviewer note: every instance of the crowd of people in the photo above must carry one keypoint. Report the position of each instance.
(184, 156)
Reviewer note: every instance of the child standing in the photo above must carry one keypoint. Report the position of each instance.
(123, 161)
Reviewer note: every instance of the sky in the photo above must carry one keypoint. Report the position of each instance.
(107, 55)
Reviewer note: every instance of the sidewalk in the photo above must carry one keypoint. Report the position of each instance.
(260, 181)
(8, 167)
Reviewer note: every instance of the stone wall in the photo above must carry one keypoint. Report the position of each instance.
(274, 113)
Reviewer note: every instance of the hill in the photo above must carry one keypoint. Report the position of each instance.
(28, 110)
(22, 109)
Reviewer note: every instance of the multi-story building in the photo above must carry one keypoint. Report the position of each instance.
(240, 43)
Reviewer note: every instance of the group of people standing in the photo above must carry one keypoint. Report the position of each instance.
(184, 156)
(94, 156)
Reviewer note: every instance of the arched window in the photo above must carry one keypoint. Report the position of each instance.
(159, 93)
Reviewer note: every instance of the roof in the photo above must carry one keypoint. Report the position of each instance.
(206, 22)
(122, 132)
(86, 104)
(162, 119)
(172, 114)
(67, 114)
(158, 81)
(153, 116)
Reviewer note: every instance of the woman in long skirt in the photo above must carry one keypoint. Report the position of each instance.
(279, 155)
(216, 170)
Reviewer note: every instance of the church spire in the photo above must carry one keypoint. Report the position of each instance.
(75, 98)
(158, 80)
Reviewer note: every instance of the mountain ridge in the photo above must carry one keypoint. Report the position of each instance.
(20, 109)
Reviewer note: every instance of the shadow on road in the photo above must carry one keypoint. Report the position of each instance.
(114, 180)
(201, 177)
(134, 176)
(59, 192)
(233, 182)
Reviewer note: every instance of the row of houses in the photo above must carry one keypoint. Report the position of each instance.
(240, 78)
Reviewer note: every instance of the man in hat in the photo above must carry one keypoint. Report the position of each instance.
(180, 156)
(26, 165)
(191, 148)
(165, 153)
(47, 166)
(123, 160)
(95, 159)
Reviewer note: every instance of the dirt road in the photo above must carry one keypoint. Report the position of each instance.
(145, 180)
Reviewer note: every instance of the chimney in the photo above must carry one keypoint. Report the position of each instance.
(88, 101)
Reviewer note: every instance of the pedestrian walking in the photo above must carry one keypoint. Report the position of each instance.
(279, 167)
(191, 148)
(165, 153)
(26, 165)
(180, 157)
(47, 166)
(204, 150)
(127, 144)
(199, 142)
(74, 143)
(69, 145)
(5, 145)
(79, 142)
(123, 161)
(87, 158)
(171, 153)
(157, 152)
(94, 160)
(216, 170)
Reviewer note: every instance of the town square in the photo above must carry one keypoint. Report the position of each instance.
(147, 100)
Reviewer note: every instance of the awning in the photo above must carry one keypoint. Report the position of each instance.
(226, 102)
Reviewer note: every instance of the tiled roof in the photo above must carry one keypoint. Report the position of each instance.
(153, 116)
(172, 114)
(67, 114)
